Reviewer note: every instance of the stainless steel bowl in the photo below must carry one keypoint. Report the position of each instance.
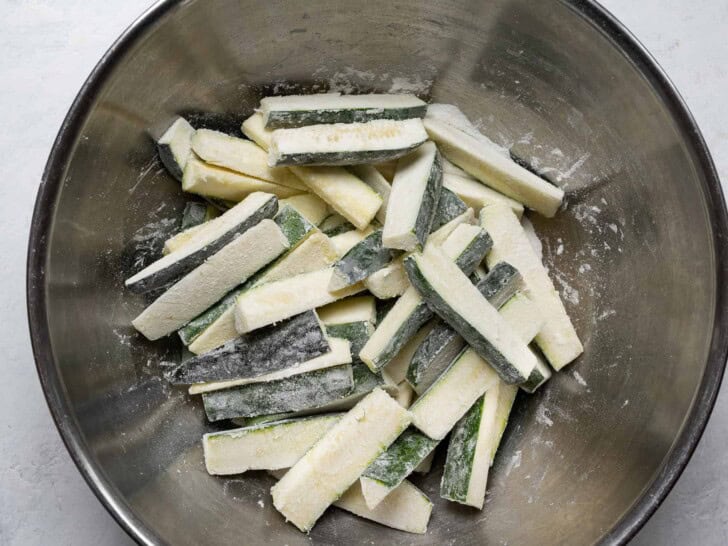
(643, 266)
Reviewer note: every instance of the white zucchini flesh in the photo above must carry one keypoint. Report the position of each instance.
(207, 240)
(557, 339)
(495, 170)
(413, 200)
(477, 195)
(344, 242)
(303, 110)
(255, 130)
(448, 167)
(374, 179)
(210, 181)
(242, 156)
(405, 508)
(446, 288)
(523, 315)
(451, 396)
(209, 282)
(345, 193)
(345, 143)
(356, 309)
(174, 146)
(178, 241)
(331, 466)
(312, 207)
(268, 446)
(315, 253)
(390, 281)
(274, 301)
(506, 398)
(340, 353)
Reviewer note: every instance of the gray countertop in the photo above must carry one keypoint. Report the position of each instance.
(49, 47)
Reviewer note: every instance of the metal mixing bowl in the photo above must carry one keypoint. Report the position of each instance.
(639, 254)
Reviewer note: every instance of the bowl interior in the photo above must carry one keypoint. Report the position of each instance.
(633, 254)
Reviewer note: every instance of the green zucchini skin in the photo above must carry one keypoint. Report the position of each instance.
(195, 213)
(179, 268)
(443, 343)
(460, 454)
(401, 458)
(430, 201)
(295, 393)
(482, 346)
(260, 352)
(361, 260)
(540, 374)
(449, 207)
(340, 159)
(293, 225)
(302, 118)
(469, 258)
(174, 147)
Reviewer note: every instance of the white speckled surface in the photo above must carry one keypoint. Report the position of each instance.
(49, 47)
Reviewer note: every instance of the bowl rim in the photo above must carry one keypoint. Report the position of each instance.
(52, 179)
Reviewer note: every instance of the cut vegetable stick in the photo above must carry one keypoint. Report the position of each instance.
(437, 350)
(267, 350)
(340, 353)
(330, 467)
(439, 236)
(206, 241)
(465, 475)
(405, 508)
(241, 156)
(455, 391)
(413, 201)
(350, 310)
(174, 146)
(345, 193)
(345, 143)
(210, 181)
(390, 281)
(466, 245)
(447, 290)
(293, 393)
(267, 446)
(271, 302)
(196, 213)
(374, 179)
(210, 281)
(312, 207)
(217, 325)
(303, 110)
(363, 259)
(336, 224)
(426, 465)
(390, 469)
(523, 315)
(452, 116)
(557, 339)
(494, 169)
(477, 195)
